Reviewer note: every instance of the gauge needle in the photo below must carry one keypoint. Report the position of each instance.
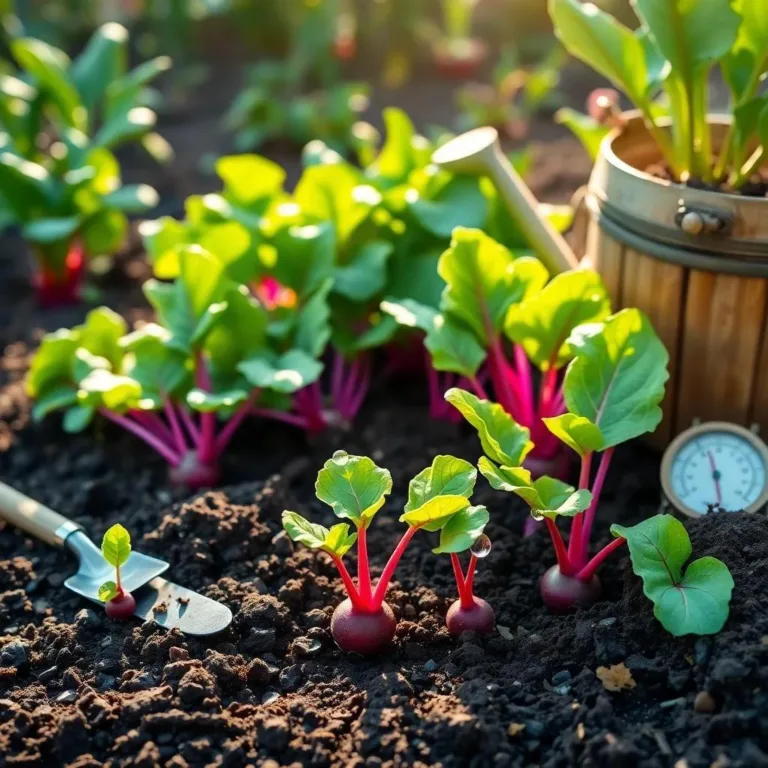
(715, 476)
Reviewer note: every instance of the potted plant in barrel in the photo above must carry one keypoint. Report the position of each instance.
(677, 198)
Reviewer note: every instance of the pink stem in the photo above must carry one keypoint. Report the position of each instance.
(589, 570)
(206, 448)
(189, 423)
(349, 585)
(561, 552)
(288, 418)
(362, 391)
(144, 434)
(222, 441)
(173, 420)
(153, 424)
(547, 392)
(589, 515)
(435, 395)
(469, 582)
(337, 377)
(525, 378)
(461, 584)
(478, 387)
(350, 386)
(503, 378)
(389, 568)
(577, 526)
(363, 570)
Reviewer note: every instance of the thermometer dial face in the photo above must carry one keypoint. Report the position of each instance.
(716, 464)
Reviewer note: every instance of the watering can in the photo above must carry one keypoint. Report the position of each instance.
(478, 153)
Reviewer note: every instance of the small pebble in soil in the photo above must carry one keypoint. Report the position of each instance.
(704, 703)
(702, 651)
(270, 697)
(430, 666)
(13, 655)
(66, 697)
(307, 646)
(561, 682)
(47, 675)
(87, 619)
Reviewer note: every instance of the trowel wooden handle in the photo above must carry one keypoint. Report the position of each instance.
(549, 245)
(33, 517)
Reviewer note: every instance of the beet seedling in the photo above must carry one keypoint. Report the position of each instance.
(355, 488)
(612, 389)
(464, 531)
(116, 549)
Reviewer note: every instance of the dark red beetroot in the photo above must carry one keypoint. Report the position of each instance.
(363, 632)
(55, 289)
(121, 608)
(194, 474)
(563, 594)
(479, 617)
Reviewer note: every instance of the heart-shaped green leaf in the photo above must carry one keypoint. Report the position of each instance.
(446, 476)
(353, 486)
(617, 379)
(462, 530)
(577, 432)
(453, 348)
(287, 373)
(694, 601)
(434, 513)
(483, 279)
(543, 323)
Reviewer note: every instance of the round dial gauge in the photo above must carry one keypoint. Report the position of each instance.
(716, 464)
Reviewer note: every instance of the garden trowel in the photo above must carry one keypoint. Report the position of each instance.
(169, 604)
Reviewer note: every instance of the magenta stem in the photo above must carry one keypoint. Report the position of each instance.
(547, 392)
(435, 395)
(287, 418)
(363, 570)
(589, 515)
(144, 434)
(362, 390)
(153, 424)
(189, 423)
(478, 387)
(461, 584)
(561, 552)
(589, 570)
(349, 585)
(206, 448)
(469, 582)
(337, 376)
(577, 526)
(173, 420)
(222, 441)
(389, 568)
(525, 381)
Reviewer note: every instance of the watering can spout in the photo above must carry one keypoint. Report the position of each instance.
(478, 153)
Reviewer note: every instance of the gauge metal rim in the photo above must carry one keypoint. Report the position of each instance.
(701, 429)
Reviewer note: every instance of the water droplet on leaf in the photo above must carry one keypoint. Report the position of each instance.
(482, 546)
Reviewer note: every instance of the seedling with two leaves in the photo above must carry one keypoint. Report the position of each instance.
(438, 500)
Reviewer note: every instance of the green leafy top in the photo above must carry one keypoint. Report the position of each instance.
(546, 496)
(336, 541)
(691, 601)
(615, 383)
(502, 438)
(462, 530)
(116, 545)
(673, 51)
(542, 324)
(353, 486)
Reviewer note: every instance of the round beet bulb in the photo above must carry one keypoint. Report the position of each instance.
(361, 631)
(479, 618)
(563, 594)
(121, 608)
(193, 474)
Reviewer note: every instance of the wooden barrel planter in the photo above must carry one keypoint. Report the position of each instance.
(696, 263)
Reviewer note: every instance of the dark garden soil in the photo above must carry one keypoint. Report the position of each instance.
(273, 690)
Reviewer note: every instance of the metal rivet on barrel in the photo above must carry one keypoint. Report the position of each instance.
(692, 223)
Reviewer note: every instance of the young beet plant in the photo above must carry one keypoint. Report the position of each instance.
(60, 181)
(182, 385)
(612, 390)
(438, 500)
(672, 54)
(498, 311)
(116, 549)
